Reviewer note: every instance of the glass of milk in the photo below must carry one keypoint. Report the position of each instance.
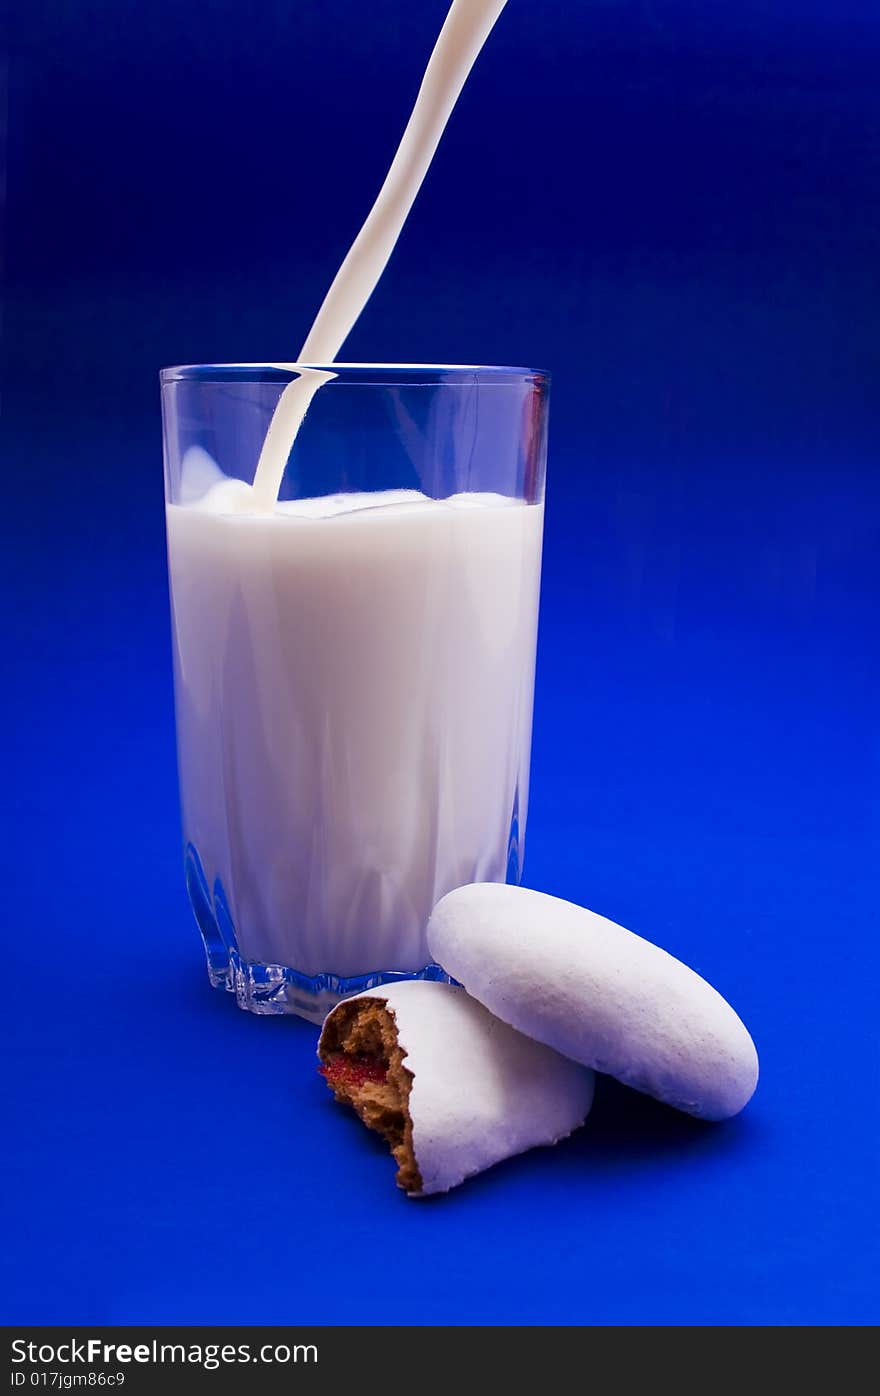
(354, 667)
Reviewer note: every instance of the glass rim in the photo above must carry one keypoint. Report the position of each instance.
(365, 374)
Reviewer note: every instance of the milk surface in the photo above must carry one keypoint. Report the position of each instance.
(354, 679)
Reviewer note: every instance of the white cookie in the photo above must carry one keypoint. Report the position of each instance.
(598, 993)
(472, 1090)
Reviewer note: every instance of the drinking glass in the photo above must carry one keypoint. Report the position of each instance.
(353, 669)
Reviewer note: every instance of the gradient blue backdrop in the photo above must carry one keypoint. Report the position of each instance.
(672, 206)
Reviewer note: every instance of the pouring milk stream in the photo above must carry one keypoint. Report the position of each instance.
(353, 673)
(464, 32)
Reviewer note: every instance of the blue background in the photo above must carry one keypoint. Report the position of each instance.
(672, 206)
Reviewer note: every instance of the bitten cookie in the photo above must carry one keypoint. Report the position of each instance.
(597, 993)
(452, 1089)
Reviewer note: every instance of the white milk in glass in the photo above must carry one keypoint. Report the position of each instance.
(354, 673)
(354, 683)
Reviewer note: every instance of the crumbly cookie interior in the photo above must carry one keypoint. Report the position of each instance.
(363, 1064)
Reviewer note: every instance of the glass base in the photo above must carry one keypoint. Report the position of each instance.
(278, 989)
(261, 988)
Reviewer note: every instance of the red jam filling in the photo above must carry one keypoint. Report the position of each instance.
(343, 1070)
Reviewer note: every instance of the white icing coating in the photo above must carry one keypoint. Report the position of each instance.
(481, 1091)
(598, 993)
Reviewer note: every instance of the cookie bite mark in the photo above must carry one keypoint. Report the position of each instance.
(462, 1090)
(363, 1064)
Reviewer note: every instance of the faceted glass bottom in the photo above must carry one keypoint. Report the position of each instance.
(278, 989)
(261, 988)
